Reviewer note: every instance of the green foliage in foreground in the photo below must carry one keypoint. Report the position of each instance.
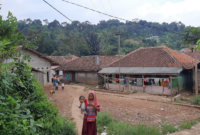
(24, 109)
(195, 100)
(188, 125)
(115, 127)
(122, 128)
(168, 129)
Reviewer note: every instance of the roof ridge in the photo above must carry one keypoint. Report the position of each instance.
(161, 46)
(38, 53)
(125, 56)
(172, 56)
(63, 57)
(189, 57)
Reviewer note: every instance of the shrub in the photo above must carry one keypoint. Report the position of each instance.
(187, 125)
(103, 119)
(168, 129)
(195, 100)
(24, 109)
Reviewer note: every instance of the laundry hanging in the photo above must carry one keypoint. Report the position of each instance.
(121, 80)
(139, 81)
(167, 79)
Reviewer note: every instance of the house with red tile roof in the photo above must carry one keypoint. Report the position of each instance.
(184, 50)
(85, 69)
(150, 69)
(61, 60)
(40, 63)
(191, 52)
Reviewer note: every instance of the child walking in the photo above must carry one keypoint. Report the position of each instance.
(81, 104)
(63, 86)
(56, 86)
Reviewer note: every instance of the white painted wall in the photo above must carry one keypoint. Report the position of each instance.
(38, 63)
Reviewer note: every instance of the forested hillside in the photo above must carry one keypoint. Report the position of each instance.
(55, 38)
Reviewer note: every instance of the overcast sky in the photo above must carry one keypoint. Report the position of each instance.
(186, 11)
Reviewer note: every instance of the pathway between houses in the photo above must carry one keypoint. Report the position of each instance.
(125, 109)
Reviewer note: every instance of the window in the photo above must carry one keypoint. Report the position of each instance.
(47, 76)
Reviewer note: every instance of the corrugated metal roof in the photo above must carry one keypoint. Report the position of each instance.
(141, 70)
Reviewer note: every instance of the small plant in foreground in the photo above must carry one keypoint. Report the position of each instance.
(188, 125)
(179, 100)
(168, 129)
(103, 119)
(195, 100)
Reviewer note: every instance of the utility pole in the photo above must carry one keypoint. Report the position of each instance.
(196, 80)
(119, 34)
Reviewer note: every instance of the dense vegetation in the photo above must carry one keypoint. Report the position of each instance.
(24, 109)
(55, 38)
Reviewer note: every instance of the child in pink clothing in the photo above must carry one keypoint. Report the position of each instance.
(63, 86)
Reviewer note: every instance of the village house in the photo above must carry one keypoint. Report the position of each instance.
(151, 70)
(191, 52)
(61, 60)
(41, 65)
(85, 69)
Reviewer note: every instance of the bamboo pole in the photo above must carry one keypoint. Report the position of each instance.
(171, 86)
(196, 81)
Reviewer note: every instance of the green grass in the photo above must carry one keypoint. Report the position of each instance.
(103, 119)
(198, 118)
(187, 125)
(88, 88)
(114, 127)
(122, 128)
(179, 100)
(168, 129)
(195, 100)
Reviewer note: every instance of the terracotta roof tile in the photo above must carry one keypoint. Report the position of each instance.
(63, 59)
(88, 63)
(161, 56)
(187, 49)
(192, 54)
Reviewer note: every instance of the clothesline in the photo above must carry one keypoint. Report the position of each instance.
(142, 78)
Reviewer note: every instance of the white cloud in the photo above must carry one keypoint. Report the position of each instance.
(186, 11)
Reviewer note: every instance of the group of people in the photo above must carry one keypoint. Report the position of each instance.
(89, 107)
(56, 82)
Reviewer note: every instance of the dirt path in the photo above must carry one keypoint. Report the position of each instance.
(78, 117)
(124, 108)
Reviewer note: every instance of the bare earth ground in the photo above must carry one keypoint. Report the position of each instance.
(128, 108)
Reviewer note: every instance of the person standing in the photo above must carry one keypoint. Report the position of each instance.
(54, 81)
(56, 86)
(92, 106)
(67, 79)
(63, 86)
(52, 78)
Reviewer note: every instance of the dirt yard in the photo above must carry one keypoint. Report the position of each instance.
(129, 108)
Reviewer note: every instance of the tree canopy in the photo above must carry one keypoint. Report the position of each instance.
(98, 38)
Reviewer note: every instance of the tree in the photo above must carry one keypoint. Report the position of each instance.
(191, 35)
(23, 104)
(72, 45)
(9, 39)
(94, 43)
(54, 32)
